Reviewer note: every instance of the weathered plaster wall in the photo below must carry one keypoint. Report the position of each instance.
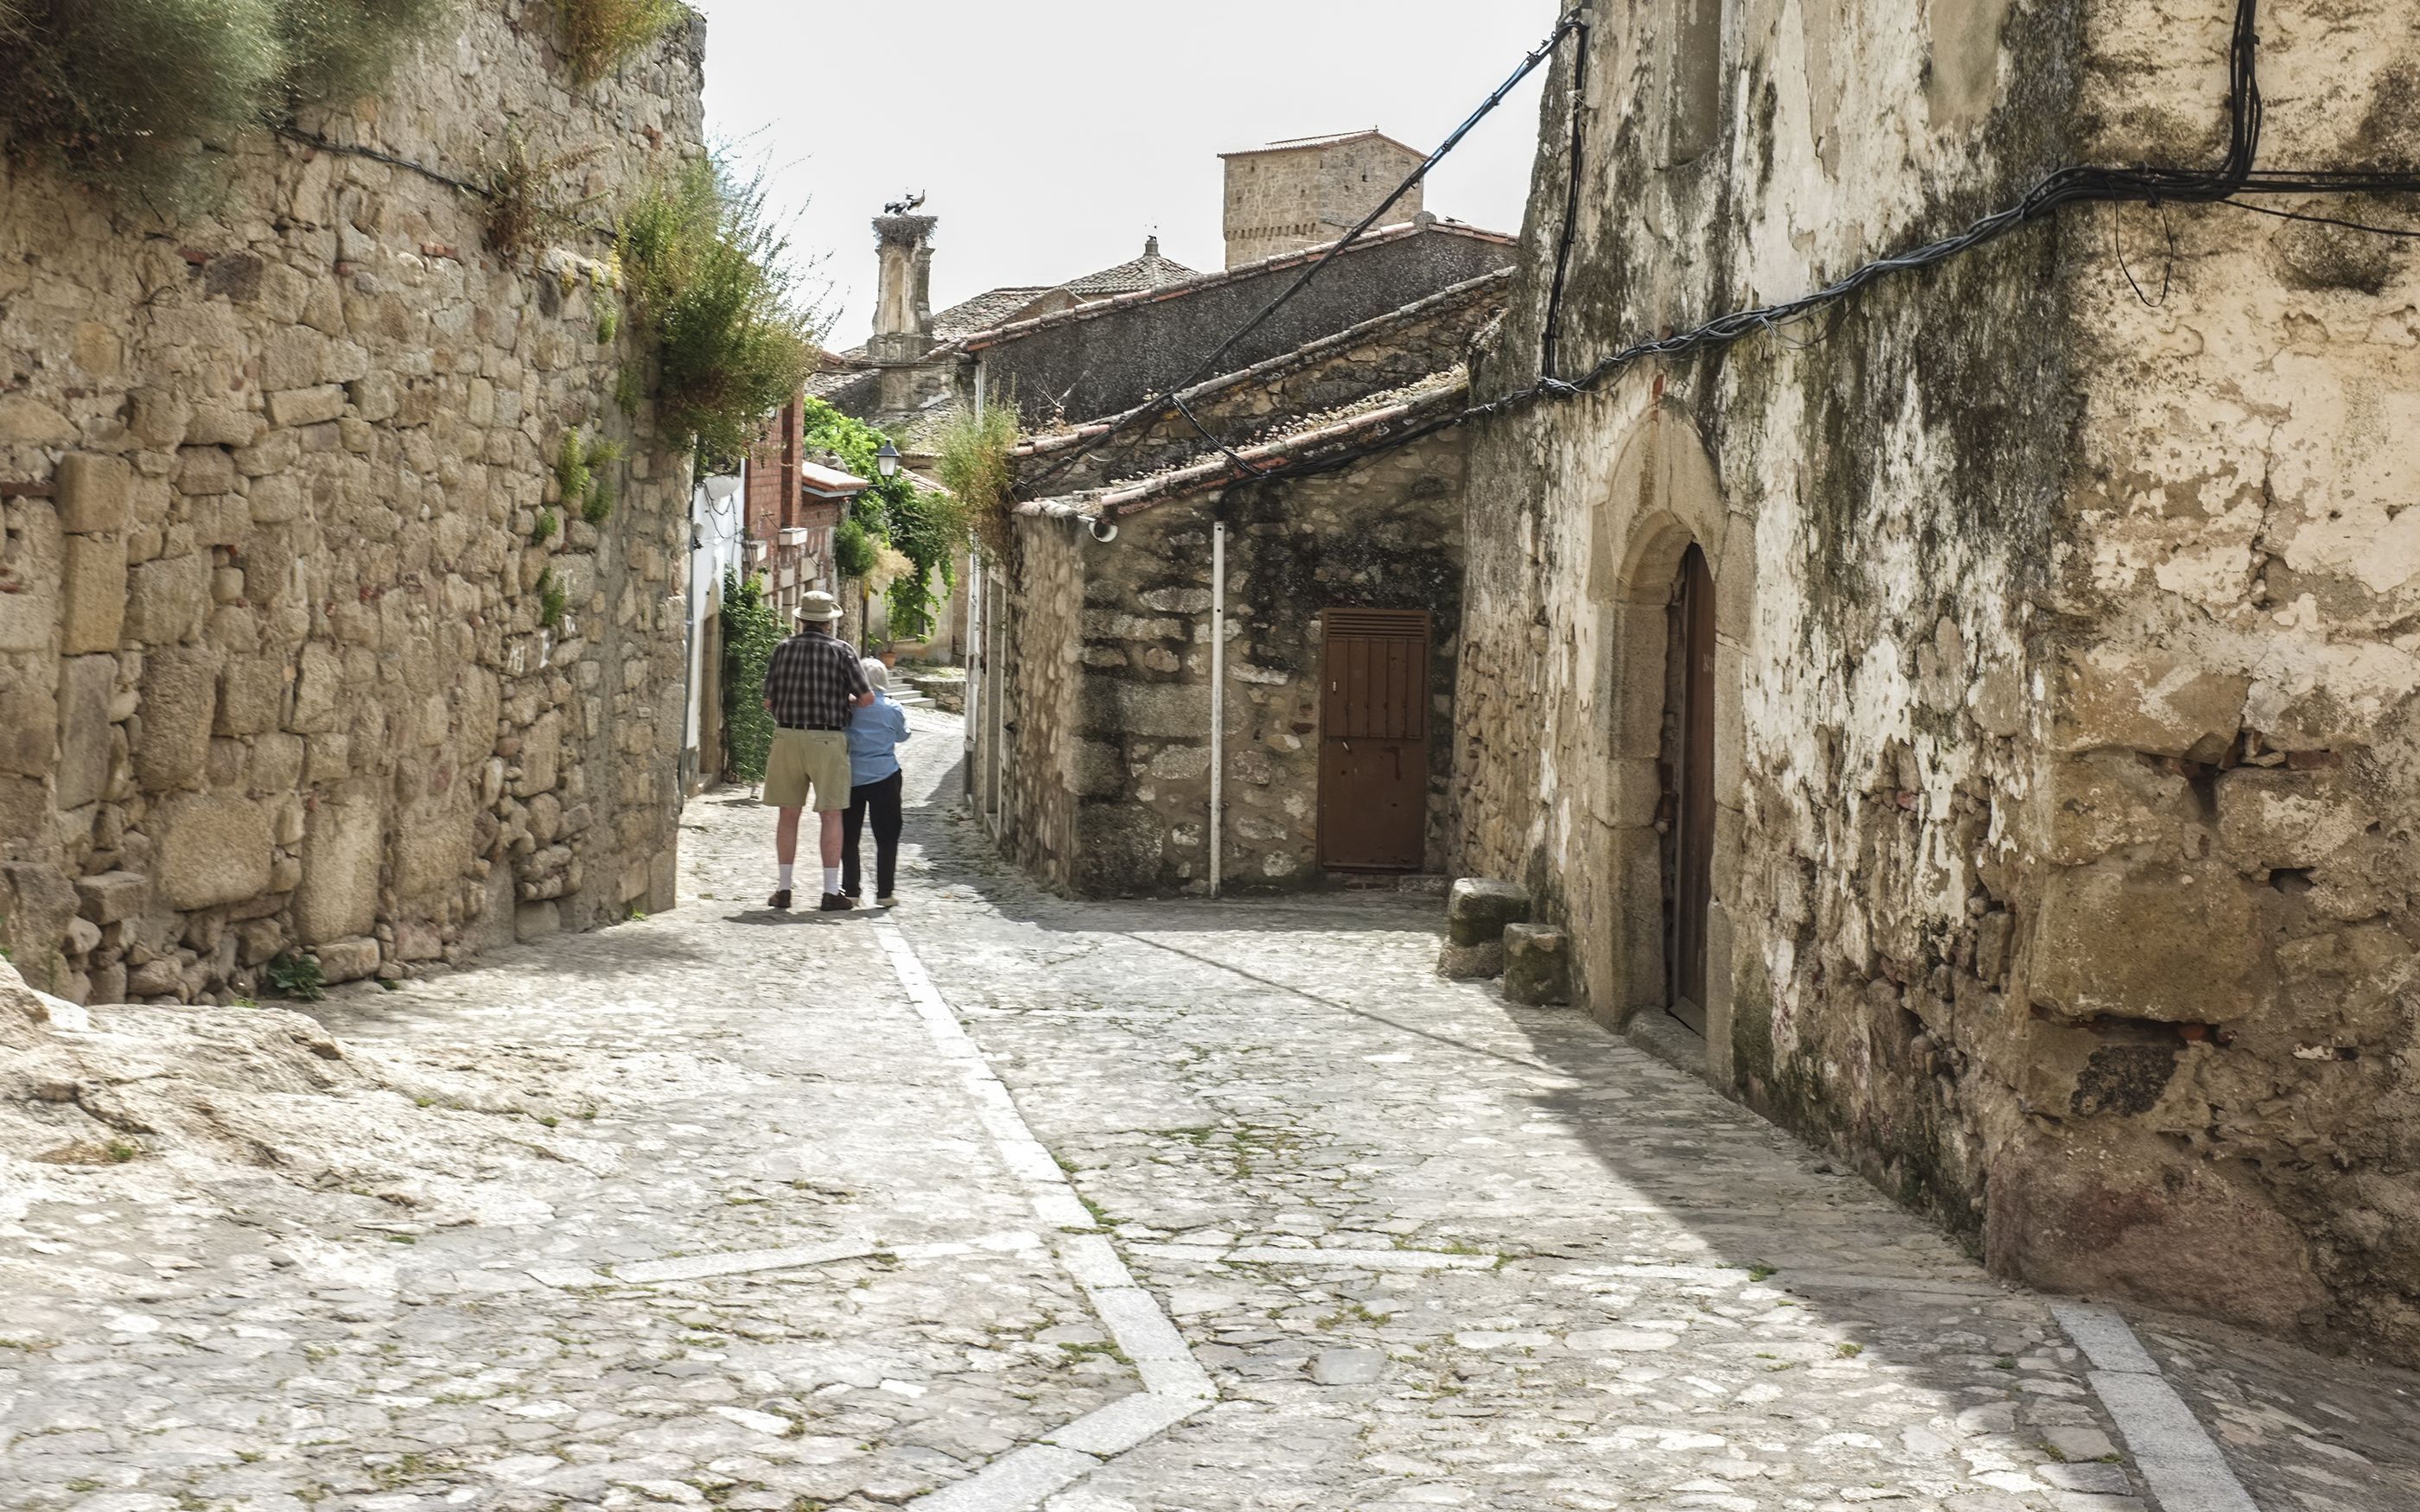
(1135, 736)
(271, 667)
(2065, 724)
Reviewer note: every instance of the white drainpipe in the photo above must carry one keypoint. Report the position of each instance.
(1218, 696)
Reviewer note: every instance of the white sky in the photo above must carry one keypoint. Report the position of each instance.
(1051, 136)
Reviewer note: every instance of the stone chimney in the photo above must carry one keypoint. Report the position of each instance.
(902, 318)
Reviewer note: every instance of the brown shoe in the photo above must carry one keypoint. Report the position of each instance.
(779, 900)
(837, 902)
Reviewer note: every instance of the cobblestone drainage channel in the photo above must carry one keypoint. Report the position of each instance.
(1175, 1387)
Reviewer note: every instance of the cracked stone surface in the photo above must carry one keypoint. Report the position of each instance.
(1435, 1250)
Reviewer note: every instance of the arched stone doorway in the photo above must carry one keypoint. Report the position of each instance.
(1673, 576)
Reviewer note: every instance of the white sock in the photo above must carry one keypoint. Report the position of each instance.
(787, 869)
(831, 879)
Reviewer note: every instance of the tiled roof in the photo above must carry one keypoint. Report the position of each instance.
(1426, 224)
(1300, 143)
(1484, 287)
(817, 478)
(986, 310)
(1437, 402)
(1150, 271)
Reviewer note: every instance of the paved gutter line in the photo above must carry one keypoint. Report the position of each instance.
(1175, 1387)
(2176, 1454)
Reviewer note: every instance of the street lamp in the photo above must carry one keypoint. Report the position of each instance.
(886, 462)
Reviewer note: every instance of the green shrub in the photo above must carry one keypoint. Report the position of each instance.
(528, 206)
(608, 322)
(298, 976)
(928, 529)
(116, 92)
(750, 631)
(552, 600)
(854, 553)
(599, 36)
(546, 525)
(571, 469)
(596, 500)
(710, 285)
(977, 470)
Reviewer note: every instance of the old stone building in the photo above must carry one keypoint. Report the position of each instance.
(1119, 745)
(1987, 711)
(1311, 190)
(287, 660)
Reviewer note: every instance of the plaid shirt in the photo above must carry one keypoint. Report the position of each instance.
(812, 681)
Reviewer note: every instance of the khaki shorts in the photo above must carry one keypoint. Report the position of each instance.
(801, 759)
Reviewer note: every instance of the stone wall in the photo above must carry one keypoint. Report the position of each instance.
(1287, 199)
(1106, 357)
(2066, 742)
(1126, 739)
(274, 666)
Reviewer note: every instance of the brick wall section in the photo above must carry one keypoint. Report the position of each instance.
(271, 669)
(2067, 755)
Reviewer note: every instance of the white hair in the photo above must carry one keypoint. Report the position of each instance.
(876, 673)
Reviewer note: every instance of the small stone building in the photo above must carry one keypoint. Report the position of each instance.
(1102, 670)
(1987, 713)
(299, 652)
(1311, 190)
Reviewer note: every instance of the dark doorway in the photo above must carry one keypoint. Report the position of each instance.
(1688, 773)
(1374, 759)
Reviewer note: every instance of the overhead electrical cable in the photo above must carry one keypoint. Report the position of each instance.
(2237, 174)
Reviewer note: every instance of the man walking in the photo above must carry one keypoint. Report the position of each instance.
(812, 684)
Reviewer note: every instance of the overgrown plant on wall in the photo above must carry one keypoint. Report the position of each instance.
(975, 467)
(923, 527)
(714, 294)
(750, 631)
(143, 97)
(599, 36)
(528, 204)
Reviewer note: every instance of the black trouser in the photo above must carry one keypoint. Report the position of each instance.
(882, 799)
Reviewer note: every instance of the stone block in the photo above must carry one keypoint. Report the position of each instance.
(92, 594)
(25, 812)
(432, 849)
(158, 418)
(180, 695)
(276, 499)
(341, 856)
(220, 425)
(36, 904)
(252, 696)
(307, 407)
(87, 687)
(2149, 940)
(28, 718)
(347, 960)
(1477, 910)
(1537, 964)
(276, 763)
(537, 921)
(167, 599)
(318, 688)
(95, 494)
(2148, 701)
(211, 851)
(2273, 818)
(2102, 801)
(25, 422)
(114, 897)
(205, 470)
(31, 551)
(1471, 962)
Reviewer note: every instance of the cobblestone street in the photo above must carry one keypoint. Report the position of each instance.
(1005, 1201)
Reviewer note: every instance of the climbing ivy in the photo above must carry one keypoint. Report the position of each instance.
(750, 631)
(926, 528)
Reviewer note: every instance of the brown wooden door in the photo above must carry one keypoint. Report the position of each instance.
(1373, 764)
(1693, 870)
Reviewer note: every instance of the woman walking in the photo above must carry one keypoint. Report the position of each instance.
(874, 737)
